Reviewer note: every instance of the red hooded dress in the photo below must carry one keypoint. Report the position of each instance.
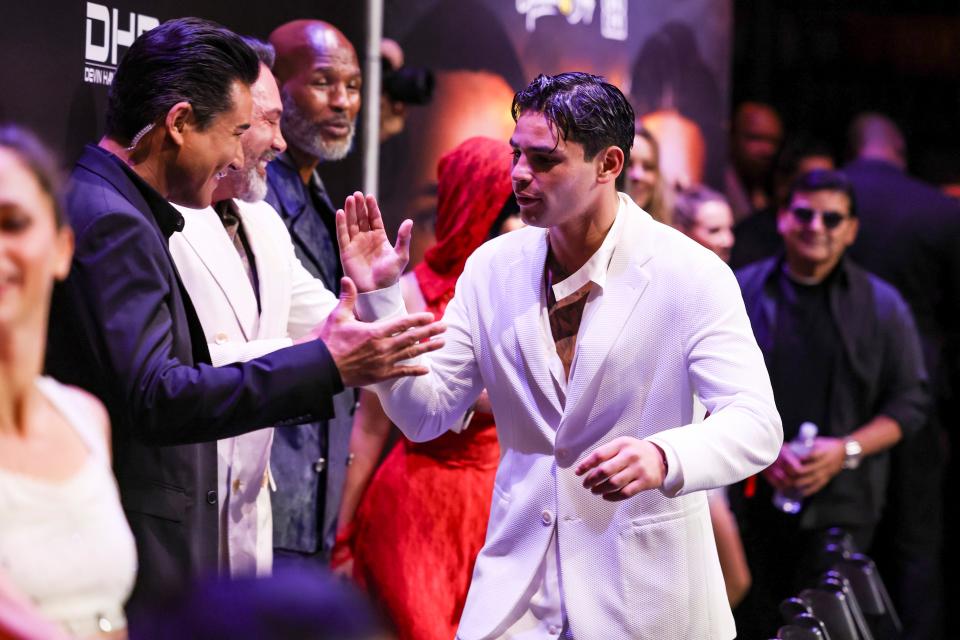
(423, 518)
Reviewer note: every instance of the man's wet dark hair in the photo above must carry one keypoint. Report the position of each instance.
(183, 60)
(39, 161)
(824, 180)
(583, 108)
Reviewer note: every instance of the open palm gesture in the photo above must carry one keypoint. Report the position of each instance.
(365, 251)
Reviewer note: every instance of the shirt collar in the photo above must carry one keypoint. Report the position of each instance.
(168, 218)
(595, 269)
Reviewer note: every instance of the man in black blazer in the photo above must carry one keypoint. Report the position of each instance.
(123, 326)
(910, 237)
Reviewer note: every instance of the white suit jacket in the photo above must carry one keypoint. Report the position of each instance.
(292, 302)
(670, 324)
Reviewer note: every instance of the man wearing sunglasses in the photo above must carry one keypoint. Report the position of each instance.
(842, 352)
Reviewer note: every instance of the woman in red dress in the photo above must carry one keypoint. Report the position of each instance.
(413, 539)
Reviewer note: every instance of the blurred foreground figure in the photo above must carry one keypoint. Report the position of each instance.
(293, 604)
(67, 556)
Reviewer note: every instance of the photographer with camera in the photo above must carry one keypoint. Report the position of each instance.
(402, 85)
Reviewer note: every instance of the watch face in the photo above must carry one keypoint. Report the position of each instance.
(853, 450)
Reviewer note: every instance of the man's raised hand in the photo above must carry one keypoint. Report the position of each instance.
(365, 251)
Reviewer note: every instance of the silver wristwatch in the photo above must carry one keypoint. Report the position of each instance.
(853, 453)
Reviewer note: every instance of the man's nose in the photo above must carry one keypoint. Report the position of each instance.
(338, 97)
(278, 144)
(237, 162)
(520, 173)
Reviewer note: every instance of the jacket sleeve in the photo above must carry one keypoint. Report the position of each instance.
(424, 407)
(904, 396)
(121, 288)
(743, 433)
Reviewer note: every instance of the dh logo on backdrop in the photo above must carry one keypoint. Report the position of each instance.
(107, 30)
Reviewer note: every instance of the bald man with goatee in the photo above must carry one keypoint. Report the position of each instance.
(319, 77)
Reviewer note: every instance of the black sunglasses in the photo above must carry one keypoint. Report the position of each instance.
(831, 219)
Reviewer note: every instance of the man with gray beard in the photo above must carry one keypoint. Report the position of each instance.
(253, 296)
(320, 82)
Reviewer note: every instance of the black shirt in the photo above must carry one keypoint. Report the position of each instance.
(806, 347)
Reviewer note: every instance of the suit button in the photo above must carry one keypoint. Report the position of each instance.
(211, 497)
(320, 465)
(547, 517)
(221, 338)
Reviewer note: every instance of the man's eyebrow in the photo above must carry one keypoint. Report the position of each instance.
(536, 149)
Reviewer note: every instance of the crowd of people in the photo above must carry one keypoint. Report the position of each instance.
(203, 360)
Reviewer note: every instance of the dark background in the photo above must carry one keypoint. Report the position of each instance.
(820, 62)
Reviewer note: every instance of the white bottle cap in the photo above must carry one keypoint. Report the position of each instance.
(808, 431)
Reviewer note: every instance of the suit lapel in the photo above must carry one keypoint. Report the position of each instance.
(625, 283)
(274, 285)
(528, 286)
(205, 234)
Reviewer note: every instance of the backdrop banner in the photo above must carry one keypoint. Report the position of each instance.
(671, 57)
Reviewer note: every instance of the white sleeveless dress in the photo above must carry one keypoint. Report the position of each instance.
(67, 545)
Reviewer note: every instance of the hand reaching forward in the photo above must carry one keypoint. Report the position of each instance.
(623, 468)
(368, 352)
(366, 253)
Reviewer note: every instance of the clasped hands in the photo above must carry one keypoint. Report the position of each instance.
(368, 352)
(810, 474)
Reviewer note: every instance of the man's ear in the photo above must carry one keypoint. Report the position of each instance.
(853, 227)
(178, 117)
(610, 164)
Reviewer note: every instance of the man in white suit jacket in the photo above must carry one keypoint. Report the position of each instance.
(253, 296)
(579, 544)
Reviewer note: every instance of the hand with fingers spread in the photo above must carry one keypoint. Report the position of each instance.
(368, 352)
(623, 468)
(365, 251)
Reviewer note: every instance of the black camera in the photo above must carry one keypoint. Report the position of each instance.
(410, 85)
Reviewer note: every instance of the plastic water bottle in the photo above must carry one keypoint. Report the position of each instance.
(791, 501)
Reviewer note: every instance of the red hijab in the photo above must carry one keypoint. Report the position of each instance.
(473, 184)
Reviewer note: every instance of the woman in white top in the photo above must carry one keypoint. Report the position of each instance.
(67, 556)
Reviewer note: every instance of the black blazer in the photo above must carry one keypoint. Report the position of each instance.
(123, 327)
(910, 237)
